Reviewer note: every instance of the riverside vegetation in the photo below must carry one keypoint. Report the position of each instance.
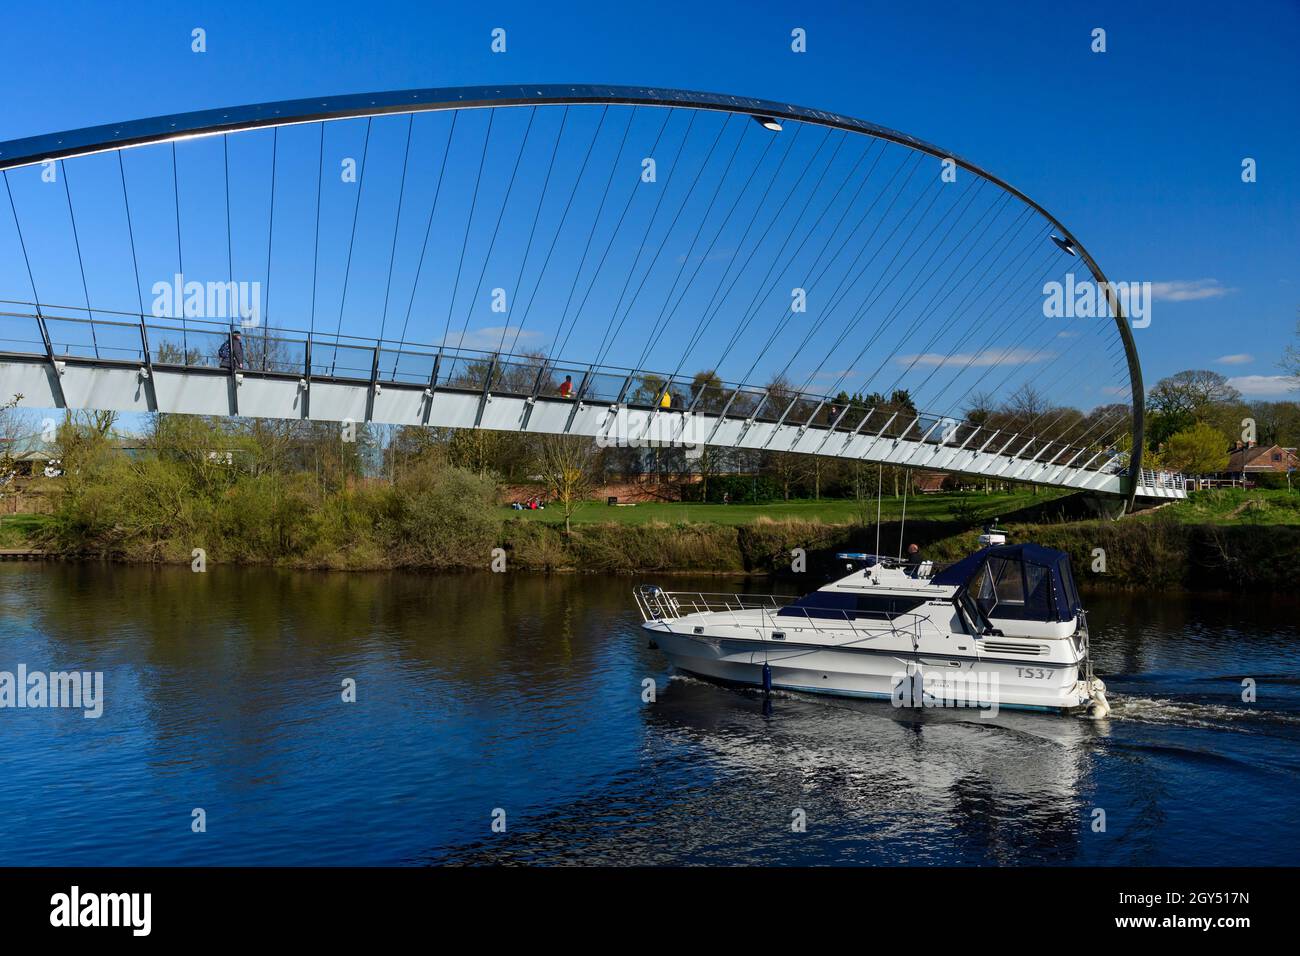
(292, 494)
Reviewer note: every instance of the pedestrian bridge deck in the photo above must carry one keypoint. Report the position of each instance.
(57, 360)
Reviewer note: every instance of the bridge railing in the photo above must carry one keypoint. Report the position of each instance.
(1163, 481)
(108, 337)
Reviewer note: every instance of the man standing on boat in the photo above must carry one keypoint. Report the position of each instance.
(914, 561)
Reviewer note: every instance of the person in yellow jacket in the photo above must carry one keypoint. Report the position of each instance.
(667, 400)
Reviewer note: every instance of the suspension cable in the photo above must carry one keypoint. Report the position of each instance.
(568, 206)
(469, 222)
(428, 227)
(532, 231)
(130, 232)
(487, 258)
(397, 226)
(347, 270)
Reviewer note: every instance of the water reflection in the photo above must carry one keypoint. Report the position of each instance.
(524, 693)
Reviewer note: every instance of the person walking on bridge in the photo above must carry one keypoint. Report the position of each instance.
(233, 345)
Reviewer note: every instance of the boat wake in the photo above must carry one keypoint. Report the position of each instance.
(1204, 715)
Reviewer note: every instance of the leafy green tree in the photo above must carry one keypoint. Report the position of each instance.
(707, 391)
(1199, 450)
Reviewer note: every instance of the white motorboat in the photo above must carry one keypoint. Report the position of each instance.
(1003, 627)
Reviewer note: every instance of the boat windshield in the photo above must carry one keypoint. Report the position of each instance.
(1018, 582)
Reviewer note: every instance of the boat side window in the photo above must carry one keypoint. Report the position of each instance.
(1067, 585)
(981, 588)
(839, 605)
(834, 605)
(973, 617)
(886, 607)
(1038, 592)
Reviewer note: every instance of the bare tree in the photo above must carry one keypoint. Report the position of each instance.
(1192, 392)
(569, 466)
(1291, 360)
(8, 433)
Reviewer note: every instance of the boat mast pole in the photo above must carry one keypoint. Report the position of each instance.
(907, 480)
(880, 477)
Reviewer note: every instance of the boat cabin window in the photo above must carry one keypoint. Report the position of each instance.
(1071, 594)
(1016, 582)
(840, 605)
(1007, 580)
(1008, 588)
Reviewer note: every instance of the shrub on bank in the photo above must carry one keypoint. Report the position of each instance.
(159, 507)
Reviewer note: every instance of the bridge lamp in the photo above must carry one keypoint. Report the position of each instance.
(767, 122)
(1067, 245)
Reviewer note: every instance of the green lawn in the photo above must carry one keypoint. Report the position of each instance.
(1238, 506)
(829, 511)
(16, 530)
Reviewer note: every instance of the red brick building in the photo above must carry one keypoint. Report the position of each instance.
(1252, 459)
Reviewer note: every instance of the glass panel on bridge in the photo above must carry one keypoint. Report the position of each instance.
(177, 345)
(83, 338)
(857, 412)
(264, 353)
(744, 402)
(21, 334)
(411, 367)
(341, 361)
(707, 396)
(516, 378)
(647, 389)
(466, 373)
(603, 386)
(553, 382)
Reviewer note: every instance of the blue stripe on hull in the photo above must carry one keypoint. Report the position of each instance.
(871, 695)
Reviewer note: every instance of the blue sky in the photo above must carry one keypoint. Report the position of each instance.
(1138, 149)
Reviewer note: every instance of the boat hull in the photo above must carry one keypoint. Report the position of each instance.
(906, 679)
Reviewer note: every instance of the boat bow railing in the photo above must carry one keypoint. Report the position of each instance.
(656, 604)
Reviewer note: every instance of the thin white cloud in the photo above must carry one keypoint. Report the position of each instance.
(1116, 390)
(1264, 386)
(976, 359)
(490, 338)
(1239, 358)
(1188, 290)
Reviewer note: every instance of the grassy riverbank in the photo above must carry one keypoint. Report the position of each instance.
(271, 501)
(1230, 540)
(21, 532)
(943, 506)
(1144, 552)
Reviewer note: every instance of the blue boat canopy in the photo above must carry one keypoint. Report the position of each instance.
(1017, 581)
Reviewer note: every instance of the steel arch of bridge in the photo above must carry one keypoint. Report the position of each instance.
(108, 137)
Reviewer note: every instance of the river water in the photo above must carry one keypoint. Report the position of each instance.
(519, 699)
